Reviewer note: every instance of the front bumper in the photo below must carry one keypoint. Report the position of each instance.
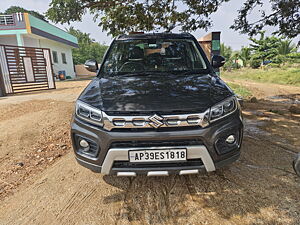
(201, 155)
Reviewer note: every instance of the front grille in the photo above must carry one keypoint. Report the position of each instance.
(160, 129)
(188, 163)
(120, 122)
(156, 143)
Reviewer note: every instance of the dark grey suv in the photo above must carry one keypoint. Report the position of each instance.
(156, 107)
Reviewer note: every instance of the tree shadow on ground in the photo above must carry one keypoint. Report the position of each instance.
(260, 188)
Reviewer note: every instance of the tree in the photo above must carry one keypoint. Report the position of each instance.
(225, 51)
(264, 48)
(286, 47)
(16, 9)
(83, 38)
(88, 47)
(122, 16)
(255, 63)
(284, 16)
(235, 59)
(245, 55)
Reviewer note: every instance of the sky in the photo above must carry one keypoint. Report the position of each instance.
(222, 20)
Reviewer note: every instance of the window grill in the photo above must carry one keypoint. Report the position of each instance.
(6, 20)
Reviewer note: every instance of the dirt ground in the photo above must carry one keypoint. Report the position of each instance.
(40, 182)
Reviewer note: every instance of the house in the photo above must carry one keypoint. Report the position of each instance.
(211, 45)
(23, 29)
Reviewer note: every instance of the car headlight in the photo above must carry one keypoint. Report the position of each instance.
(89, 113)
(223, 109)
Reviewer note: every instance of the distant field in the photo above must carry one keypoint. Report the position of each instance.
(285, 75)
(240, 90)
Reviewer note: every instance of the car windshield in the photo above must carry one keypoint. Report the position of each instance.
(174, 56)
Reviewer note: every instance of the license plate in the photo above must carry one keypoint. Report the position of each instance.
(157, 155)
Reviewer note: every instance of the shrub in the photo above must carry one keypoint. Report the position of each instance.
(279, 59)
(255, 63)
(293, 57)
(273, 65)
(236, 66)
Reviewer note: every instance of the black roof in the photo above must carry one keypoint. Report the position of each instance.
(153, 36)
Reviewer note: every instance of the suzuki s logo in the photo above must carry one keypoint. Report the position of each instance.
(156, 121)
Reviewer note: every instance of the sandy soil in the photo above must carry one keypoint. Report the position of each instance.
(40, 182)
(266, 90)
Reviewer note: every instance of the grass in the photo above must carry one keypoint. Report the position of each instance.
(284, 75)
(240, 90)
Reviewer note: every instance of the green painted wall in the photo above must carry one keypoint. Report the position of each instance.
(46, 27)
(216, 45)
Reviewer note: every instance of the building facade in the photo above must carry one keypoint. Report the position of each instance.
(23, 29)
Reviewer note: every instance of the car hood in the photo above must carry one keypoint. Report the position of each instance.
(156, 93)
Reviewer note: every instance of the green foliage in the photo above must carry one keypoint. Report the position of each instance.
(255, 63)
(235, 60)
(122, 16)
(283, 16)
(293, 57)
(279, 59)
(286, 47)
(118, 17)
(226, 51)
(240, 90)
(16, 9)
(272, 65)
(88, 48)
(264, 48)
(277, 50)
(283, 75)
(272, 49)
(245, 55)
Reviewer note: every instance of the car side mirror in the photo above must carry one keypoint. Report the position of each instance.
(91, 65)
(217, 61)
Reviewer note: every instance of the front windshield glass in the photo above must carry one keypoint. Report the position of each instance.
(153, 55)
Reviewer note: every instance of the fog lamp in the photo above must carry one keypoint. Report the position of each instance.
(84, 144)
(230, 139)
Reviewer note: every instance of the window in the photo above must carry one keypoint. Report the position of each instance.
(55, 57)
(154, 55)
(6, 20)
(63, 57)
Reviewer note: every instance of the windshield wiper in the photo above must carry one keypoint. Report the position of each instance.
(165, 73)
(142, 73)
(192, 72)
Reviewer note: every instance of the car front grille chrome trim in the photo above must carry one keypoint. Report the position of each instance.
(156, 121)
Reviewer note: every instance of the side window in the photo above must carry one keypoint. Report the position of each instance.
(195, 56)
(64, 58)
(54, 56)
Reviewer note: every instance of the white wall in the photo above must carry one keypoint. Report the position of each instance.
(8, 40)
(31, 42)
(45, 43)
(12, 40)
(60, 48)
